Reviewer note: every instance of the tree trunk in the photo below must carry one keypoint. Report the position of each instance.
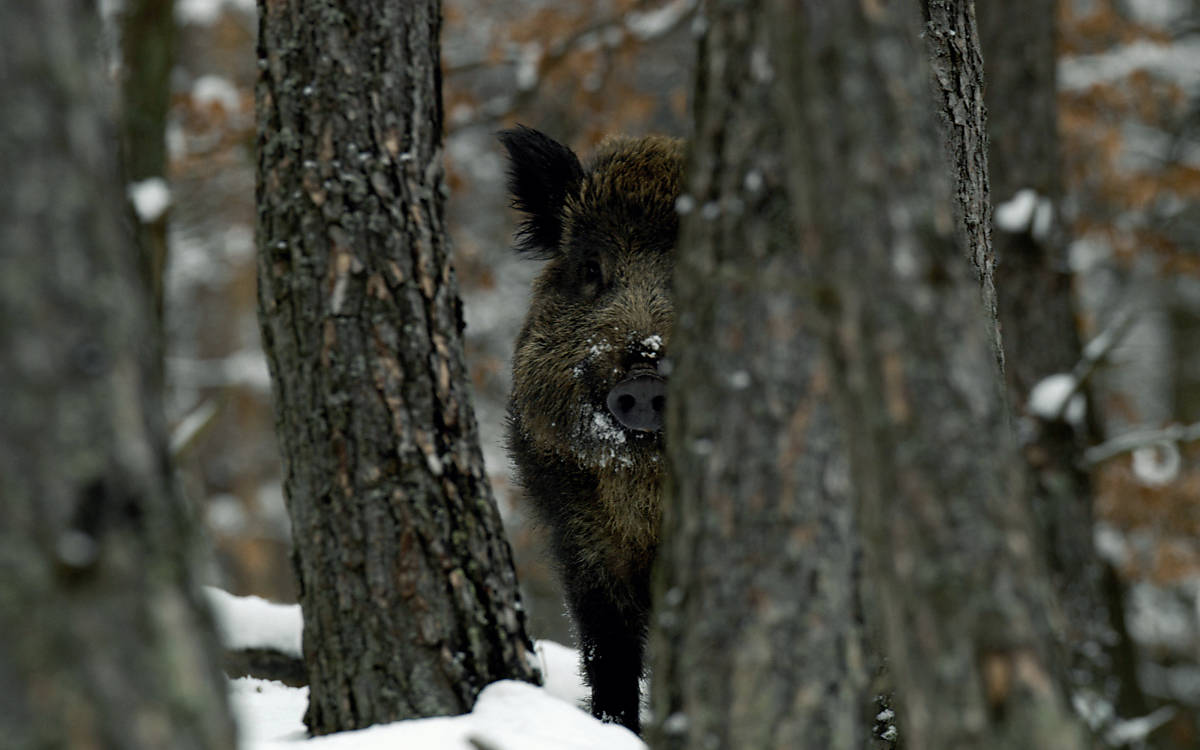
(1041, 339)
(106, 641)
(756, 643)
(406, 580)
(147, 56)
(952, 47)
(948, 543)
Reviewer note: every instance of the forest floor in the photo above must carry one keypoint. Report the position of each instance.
(508, 715)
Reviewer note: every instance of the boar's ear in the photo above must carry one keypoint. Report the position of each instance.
(541, 174)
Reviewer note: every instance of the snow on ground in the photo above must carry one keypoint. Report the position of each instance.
(245, 622)
(508, 715)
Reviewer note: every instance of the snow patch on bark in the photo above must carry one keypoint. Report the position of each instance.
(150, 198)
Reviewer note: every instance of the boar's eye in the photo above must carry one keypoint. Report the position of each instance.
(592, 273)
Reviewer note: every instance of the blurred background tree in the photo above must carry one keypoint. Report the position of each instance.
(1042, 340)
(107, 642)
(1128, 97)
(759, 545)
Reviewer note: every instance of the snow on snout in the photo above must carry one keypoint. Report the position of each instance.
(650, 347)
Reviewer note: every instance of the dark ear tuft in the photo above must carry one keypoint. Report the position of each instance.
(541, 174)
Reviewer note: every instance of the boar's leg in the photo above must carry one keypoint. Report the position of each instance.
(612, 637)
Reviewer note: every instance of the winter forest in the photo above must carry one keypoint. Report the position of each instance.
(360, 389)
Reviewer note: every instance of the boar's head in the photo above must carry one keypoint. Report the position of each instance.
(589, 375)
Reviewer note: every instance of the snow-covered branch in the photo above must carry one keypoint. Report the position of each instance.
(190, 427)
(1132, 441)
(1059, 396)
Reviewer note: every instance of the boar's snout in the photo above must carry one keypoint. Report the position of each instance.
(639, 402)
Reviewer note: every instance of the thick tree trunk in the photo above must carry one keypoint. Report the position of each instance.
(407, 584)
(1041, 339)
(948, 542)
(756, 642)
(105, 640)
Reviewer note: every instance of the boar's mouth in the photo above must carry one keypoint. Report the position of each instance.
(639, 401)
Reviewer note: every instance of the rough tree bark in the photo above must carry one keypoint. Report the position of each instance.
(756, 643)
(1041, 339)
(948, 542)
(952, 48)
(406, 580)
(105, 639)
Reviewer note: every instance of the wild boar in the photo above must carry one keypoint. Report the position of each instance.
(586, 413)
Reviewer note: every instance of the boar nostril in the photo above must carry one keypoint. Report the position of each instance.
(638, 402)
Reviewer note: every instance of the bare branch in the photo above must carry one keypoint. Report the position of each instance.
(1051, 401)
(1131, 441)
(1096, 353)
(643, 21)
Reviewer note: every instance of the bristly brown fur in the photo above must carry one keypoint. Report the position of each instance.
(600, 309)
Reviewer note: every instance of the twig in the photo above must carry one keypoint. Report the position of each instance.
(1131, 441)
(1095, 353)
(192, 425)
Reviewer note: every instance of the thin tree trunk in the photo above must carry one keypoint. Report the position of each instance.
(948, 543)
(952, 46)
(105, 639)
(1041, 339)
(756, 643)
(406, 580)
(147, 51)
